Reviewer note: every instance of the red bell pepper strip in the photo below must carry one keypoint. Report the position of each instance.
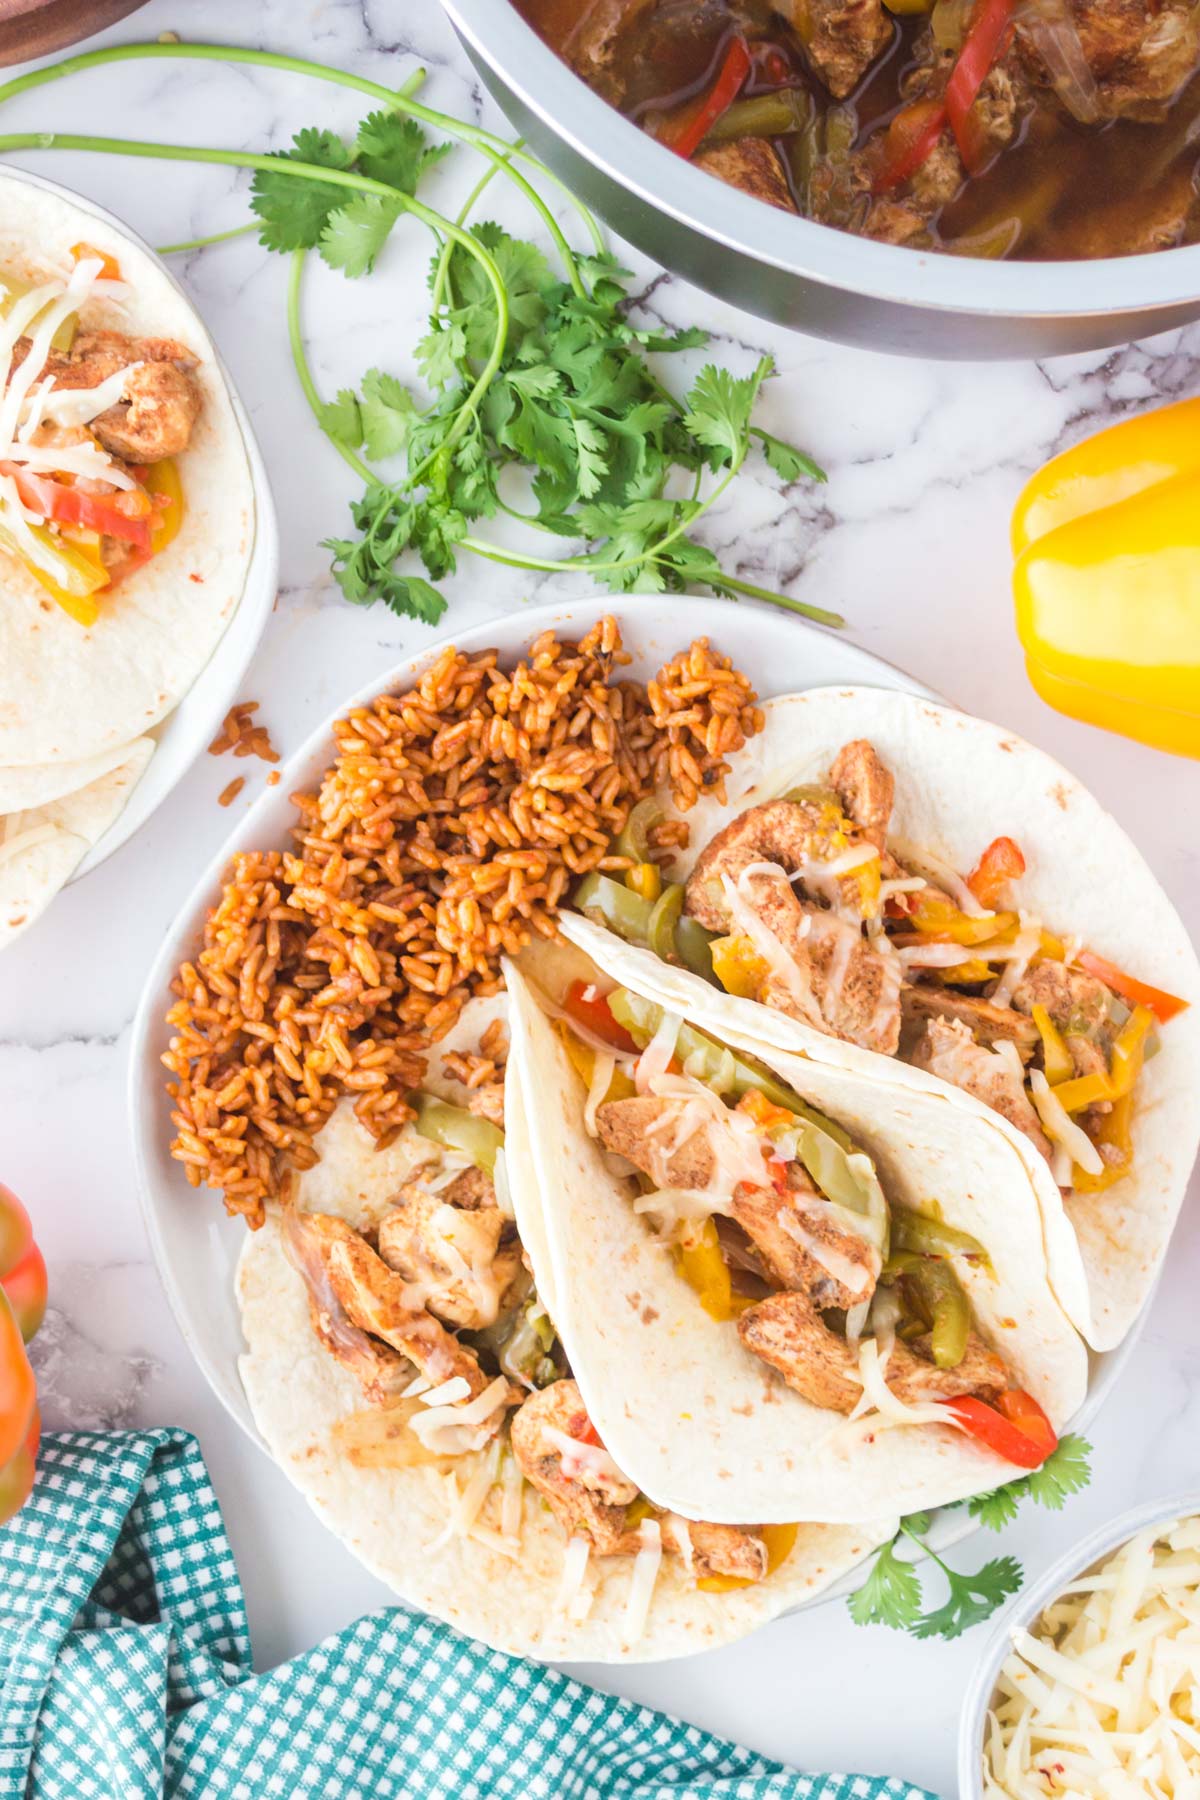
(588, 1006)
(911, 138)
(1000, 863)
(687, 132)
(974, 65)
(1016, 1428)
(124, 516)
(1164, 1006)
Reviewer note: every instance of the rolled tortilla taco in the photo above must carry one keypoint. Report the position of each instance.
(403, 1365)
(915, 894)
(781, 1298)
(126, 505)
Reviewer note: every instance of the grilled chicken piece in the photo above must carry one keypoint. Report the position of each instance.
(866, 789)
(162, 398)
(787, 1331)
(457, 1257)
(591, 47)
(751, 164)
(591, 1500)
(842, 38)
(1076, 1001)
(782, 1227)
(643, 1130)
(472, 1190)
(987, 1023)
(948, 1050)
(735, 1550)
(790, 833)
(375, 1299)
(1140, 55)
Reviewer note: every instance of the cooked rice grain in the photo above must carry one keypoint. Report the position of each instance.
(448, 830)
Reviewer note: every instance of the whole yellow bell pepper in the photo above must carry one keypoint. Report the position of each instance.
(1107, 579)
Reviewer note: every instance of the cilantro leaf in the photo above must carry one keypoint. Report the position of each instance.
(719, 408)
(997, 1509)
(394, 149)
(972, 1598)
(439, 353)
(342, 419)
(788, 462)
(526, 277)
(411, 596)
(354, 235)
(891, 1594)
(388, 414)
(295, 210)
(1065, 1471)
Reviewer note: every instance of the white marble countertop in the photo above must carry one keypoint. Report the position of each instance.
(908, 539)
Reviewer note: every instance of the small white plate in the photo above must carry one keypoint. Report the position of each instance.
(195, 1245)
(192, 725)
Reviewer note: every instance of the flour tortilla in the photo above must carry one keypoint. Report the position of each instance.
(67, 693)
(704, 1427)
(960, 782)
(37, 784)
(30, 877)
(393, 1519)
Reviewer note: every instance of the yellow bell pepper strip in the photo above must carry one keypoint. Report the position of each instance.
(780, 1541)
(938, 917)
(1164, 1006)
(1107, 579)
(1114, 1135)
(79, 574)
(1057, 1060)
(645, 880)
(738, 966)
(1128, 1054)
(583, 1059)
(705, 1270)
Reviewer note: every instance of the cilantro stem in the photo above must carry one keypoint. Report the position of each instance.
(363, 184)
(217, 237)
(304, 372)
(485, 141)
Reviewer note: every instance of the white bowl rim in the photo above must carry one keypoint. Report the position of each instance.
(1027, 1606)
(262, 570)
(932, 281)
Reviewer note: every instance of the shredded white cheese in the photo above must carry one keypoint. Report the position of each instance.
(1102, 1697)
(877, 1396)
(603, 1064)
(590, 1463)
(575, 1594)
(1028, 941)
(646, 1565)
(1061, 1127)
(454, 1428)
(946, 878)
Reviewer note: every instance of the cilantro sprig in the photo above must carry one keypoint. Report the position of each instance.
(528, 365)
(892, 1594)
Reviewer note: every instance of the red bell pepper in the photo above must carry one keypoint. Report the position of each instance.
(911, 138)
(588, 1007)
(126, 515)
(1000, 863)
(1016, 1428)
(976, 58)
(688, 130)
(1164, 1006)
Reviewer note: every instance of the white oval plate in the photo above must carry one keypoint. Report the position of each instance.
(192, 725)
(195, 1244)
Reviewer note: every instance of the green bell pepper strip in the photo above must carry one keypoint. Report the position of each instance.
(454, 1128)
(634, 840)
(664, 917)
(611, 903)
(927, 1236)
(941, 1298)
(693, 946)
(822, 1146)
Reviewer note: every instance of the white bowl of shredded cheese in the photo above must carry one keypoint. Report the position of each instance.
(1090, 1684)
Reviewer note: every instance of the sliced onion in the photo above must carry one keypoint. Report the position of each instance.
(1049, 26)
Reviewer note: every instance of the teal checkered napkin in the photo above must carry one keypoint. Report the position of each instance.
(125, 1673)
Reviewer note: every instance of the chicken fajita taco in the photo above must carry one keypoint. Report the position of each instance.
(126, 505)
(780, 1298)
(403, 1364)
(918, 896)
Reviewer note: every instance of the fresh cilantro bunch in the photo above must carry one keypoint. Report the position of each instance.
(891, 1595)
(548, 377)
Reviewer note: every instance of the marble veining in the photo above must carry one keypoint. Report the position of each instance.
(908, 538)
